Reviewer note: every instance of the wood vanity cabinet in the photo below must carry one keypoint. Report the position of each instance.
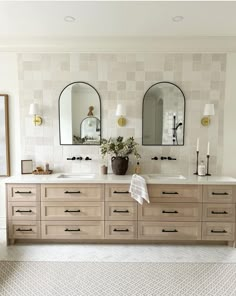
(106, 212)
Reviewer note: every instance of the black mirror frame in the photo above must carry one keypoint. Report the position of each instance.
(59, 114)
(143, 114)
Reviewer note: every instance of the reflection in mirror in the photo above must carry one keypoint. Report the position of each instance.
(4, 137)
(80, 115)
(163, 115)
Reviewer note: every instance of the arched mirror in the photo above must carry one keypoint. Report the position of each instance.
(163, 115)
(79, 115)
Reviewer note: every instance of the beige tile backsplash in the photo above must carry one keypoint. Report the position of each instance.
(122, 77)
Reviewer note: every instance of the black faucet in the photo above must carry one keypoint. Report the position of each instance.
(154, 158)
(171, 158)
(72, 158)
(79, 158)
(163, 157)
(88, 158)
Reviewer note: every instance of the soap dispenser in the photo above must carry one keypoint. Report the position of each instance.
(201, 169)
(137, 169)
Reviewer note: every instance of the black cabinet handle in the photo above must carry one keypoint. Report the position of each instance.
(71, 230)
(163, 192)
(220, 193)
(121, 211)
(21, 211)
(174, 230)
(23, 192)
(154, 158)
(20, 229)
(224, 212)
(121, 192)
(170, 212)
(121, 230)
(218, 231)
(71, 192)
(72, 211)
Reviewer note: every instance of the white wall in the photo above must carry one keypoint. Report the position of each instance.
(9, 85)
(229, 154)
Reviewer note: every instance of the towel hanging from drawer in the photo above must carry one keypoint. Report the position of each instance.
(138, 189)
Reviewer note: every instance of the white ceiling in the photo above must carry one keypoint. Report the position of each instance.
(116, 19)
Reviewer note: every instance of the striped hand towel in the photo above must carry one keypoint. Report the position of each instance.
(138, 189)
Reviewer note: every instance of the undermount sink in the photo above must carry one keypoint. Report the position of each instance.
(166, 177)
(77, 176)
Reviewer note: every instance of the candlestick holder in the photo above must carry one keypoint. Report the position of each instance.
(196, 173)
(208, 160)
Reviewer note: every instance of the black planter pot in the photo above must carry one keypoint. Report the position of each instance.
(119, 165)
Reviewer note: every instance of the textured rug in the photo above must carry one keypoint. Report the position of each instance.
(126, 279)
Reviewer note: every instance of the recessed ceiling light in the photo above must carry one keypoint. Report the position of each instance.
(69, 19)
(177, 18)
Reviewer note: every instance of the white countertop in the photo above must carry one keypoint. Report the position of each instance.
(125, 179)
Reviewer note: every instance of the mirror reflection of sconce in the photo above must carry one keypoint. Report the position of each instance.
(121, 112)
(209, 110)
(34, 110)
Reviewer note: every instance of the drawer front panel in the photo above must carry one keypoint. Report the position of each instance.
(220, 231)
(219, 212)
(219, 194)
(170, 212)
(169, 230)
(24, 192)
(72, 192)
(24, 229)
(24, 211)
(117, 192)
(120, 211)
(72, 211)
(175, 193)
(72, 229)
(121, 230)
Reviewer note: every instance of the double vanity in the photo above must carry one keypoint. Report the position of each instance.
(90, 208)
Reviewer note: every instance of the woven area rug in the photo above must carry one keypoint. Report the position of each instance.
(88, 278)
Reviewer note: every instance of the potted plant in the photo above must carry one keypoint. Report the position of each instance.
(119, 149)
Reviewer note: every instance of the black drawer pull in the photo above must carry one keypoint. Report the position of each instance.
(121, 192)
(72, 211)
(20, 211)
(163, 192)
(71, 192)
(174, 230)
(23, 192)
(213, 212)
(20, 229)
(121, 211)
(71, 230)
(218, 231)
(220, 193)
(121, 230)
(170, 212)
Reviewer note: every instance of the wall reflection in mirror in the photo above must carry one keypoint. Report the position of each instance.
(163, 115)
(80, 115)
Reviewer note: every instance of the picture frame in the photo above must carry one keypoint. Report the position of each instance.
(4, 137)
(26, 166)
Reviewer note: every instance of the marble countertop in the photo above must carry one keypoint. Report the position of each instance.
(124, 179)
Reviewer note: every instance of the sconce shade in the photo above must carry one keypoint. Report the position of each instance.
(120, 110)
(209, 110)
(34, 109)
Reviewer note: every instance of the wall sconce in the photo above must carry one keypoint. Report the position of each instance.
(34, 110)
(209, 110)
(121, 112)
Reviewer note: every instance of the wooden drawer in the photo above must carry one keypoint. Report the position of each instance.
(169, 230)
(175, 193)
(117, 192)
(72, 210)
(24, 211)
(24, 229)
(72, 192)
(170, 212)
(72, 229)
(121, 230)
(219, 194)
(120, 210)
(219, 212)
(23, 192)
(220, 231)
